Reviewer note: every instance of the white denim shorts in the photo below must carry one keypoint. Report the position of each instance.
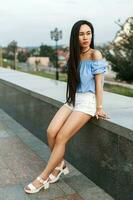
(84, 102)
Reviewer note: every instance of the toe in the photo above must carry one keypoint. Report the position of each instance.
(27, 188)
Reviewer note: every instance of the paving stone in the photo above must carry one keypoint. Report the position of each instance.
(20, 159)
(71, 197)
(10, 132)
(76, 182)
(13, 193)
(7, 177)
(2, 126)
(95, 193)
(86, 188)
(14, 128)
(3, 134)
(36, 145)
(65, 187)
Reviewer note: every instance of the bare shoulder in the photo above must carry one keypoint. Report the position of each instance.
(97, 55)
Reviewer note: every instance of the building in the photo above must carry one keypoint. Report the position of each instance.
(39, 62)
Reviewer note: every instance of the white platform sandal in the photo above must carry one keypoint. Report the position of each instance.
(62, 170)
(33, 189)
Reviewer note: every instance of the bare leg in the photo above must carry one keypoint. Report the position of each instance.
(54, 127)
(51, 143)
(74, 122)
(56, 124)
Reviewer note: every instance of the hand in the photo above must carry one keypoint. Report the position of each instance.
(101, 114)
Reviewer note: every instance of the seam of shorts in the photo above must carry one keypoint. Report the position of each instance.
(89, 113)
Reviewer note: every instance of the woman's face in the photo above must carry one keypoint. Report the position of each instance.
(85, 36)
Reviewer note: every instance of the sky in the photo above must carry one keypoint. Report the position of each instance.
(29, 22)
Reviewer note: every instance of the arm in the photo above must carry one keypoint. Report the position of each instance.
(98, 81)
(99, 89)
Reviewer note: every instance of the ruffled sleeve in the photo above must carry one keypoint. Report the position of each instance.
(99, 66)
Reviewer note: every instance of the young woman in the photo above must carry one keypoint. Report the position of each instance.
(83, 101)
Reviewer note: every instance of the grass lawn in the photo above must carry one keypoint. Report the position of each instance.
(118, 89)
(62, 77)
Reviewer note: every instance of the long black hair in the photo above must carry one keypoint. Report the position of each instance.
(73, 77)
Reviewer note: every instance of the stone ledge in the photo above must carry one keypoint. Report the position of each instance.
(54, 95)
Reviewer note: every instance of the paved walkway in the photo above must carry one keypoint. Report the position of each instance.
(23, 157)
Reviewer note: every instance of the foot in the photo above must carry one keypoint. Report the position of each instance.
(55, 175)
(55, 172)
(36, 183)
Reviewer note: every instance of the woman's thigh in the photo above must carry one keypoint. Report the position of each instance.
(58, 120)
(72, 125)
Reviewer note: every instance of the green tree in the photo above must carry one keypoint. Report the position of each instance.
(48, 51)
(33, 52)
(22, 56)
(12, 51)
(120, 52)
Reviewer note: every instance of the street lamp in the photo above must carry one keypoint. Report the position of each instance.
(56, 35)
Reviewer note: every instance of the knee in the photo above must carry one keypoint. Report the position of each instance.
(51, 133)
(60, 139)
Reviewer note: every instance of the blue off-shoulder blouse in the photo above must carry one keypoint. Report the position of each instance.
(87, 70)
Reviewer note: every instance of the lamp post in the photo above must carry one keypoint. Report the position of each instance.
(56, 35)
